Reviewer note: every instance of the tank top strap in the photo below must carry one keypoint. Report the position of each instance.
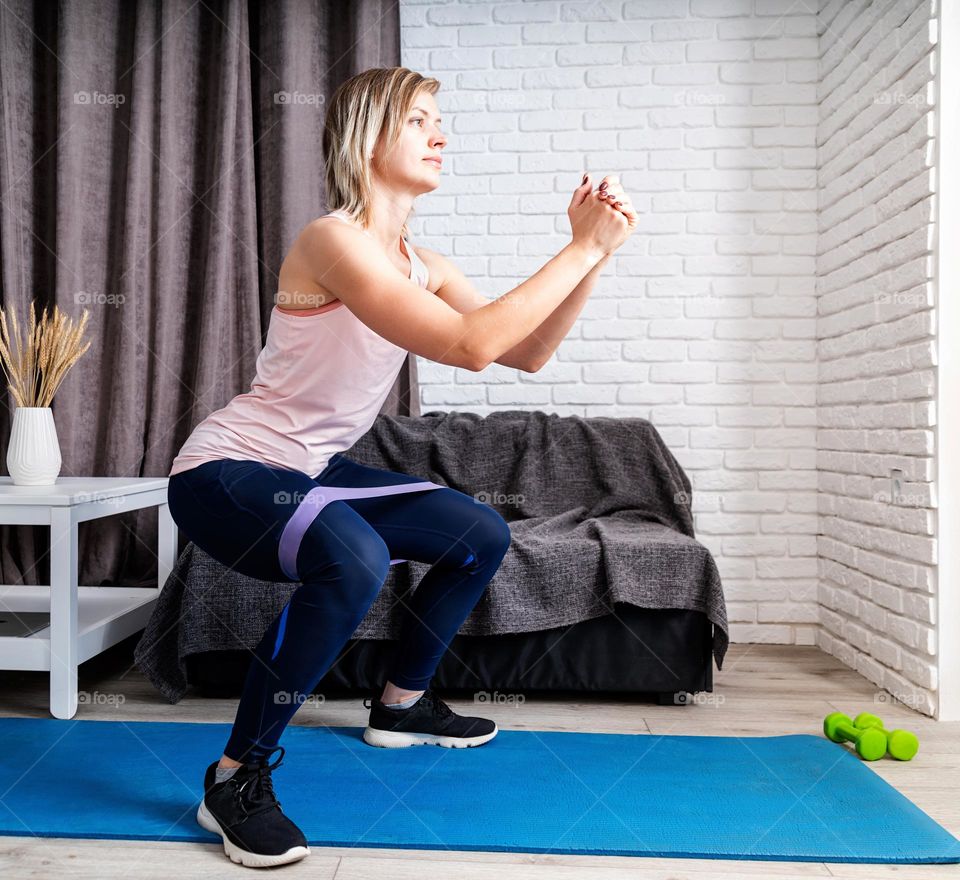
(420, 273)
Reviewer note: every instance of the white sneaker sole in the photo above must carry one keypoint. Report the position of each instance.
(395, 739)
(242, 856)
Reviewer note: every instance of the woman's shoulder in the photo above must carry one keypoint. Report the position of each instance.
(325, 236)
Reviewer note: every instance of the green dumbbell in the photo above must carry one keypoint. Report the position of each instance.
(902, 744)
(870, 743)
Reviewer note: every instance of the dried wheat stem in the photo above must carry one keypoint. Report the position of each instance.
(35, 369)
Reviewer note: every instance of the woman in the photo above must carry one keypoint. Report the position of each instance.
(262, 485)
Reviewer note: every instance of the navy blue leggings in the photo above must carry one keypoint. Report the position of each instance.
(337, 533)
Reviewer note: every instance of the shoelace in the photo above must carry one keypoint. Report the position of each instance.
(257, 791)
(441, 709)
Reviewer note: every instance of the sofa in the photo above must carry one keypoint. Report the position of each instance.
(604, 588)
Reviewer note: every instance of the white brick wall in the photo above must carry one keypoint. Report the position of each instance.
(743, 322)
(876, 342)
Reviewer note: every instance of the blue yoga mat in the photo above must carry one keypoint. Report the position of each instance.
(791, 798)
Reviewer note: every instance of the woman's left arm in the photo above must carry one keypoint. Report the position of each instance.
(536, 349)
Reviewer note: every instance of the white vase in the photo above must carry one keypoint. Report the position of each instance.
(33, 456)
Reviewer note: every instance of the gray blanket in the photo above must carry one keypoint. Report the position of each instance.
(599, 510)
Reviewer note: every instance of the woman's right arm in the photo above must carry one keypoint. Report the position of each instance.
(505, 322)
(353, 268)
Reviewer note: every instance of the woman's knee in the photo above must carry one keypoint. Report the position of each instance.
(492, 536)
(359, 559)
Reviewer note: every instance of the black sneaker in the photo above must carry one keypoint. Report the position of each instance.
(245, 812)
(429, 721)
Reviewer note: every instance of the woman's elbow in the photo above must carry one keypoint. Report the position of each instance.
(462, 356)
(477, 362)
(474, 357)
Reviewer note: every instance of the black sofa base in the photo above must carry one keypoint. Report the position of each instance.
(664, 654)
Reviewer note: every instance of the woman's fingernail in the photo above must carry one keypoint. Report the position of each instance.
(603, 185)
(582, 182)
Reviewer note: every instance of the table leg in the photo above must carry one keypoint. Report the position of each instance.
(166, 544)
(63, 613)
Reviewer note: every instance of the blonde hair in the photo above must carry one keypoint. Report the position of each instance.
(364, 107)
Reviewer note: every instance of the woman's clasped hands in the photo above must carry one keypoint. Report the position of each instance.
(601, 219)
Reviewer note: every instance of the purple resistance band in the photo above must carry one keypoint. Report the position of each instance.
(315, 500)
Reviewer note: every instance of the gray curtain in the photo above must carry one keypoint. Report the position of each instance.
(152, 170)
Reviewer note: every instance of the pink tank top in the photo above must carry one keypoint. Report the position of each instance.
(322, 377)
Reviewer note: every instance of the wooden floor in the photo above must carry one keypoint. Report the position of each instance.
(766, 690)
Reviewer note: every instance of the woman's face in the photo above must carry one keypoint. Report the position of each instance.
(413, 162)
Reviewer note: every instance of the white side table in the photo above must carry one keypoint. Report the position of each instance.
(83, 620)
